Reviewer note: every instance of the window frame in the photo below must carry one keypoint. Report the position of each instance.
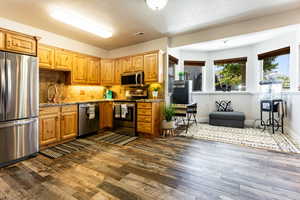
(216, 63)
(197, 63)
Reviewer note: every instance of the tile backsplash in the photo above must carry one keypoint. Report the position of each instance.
(81, 92)
(67, 92)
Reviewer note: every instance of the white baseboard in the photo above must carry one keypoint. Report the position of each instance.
(292, 133)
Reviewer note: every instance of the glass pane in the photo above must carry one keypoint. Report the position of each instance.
(277, 68)
(230, 77)
(194, 73)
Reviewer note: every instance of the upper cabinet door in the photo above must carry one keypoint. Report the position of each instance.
(2, 39)
(107, 71)
(118, 72)
(80, 67)
(138, 63)
(127, 64)
(63, 59)
(20, 44)
(46, 57)
(93, 70)
(151, 67)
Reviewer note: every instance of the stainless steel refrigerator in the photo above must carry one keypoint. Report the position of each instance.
(19, 105)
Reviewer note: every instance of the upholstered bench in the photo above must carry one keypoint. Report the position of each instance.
(229, 119)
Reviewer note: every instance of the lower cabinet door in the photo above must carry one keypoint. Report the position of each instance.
(49, 127)
(68, 125)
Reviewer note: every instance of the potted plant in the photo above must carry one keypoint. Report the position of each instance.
(181, 76)
(168, 122)
(155, 92)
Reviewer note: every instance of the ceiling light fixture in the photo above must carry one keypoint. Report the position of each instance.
(74, 19)
(156, 4)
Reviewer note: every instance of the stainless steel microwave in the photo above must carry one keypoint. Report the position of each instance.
(132, 79)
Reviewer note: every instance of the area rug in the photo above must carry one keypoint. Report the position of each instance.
(248, 137)
(80, 144)
(114, 138)
(66, 148)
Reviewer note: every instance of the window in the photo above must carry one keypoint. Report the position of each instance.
(230, 74)
(194, 70)
(276, 66)
(171, 72)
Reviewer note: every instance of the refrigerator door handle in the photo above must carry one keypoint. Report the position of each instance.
(2, 86)
(8, 86)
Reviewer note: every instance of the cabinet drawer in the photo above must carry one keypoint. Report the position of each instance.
(20, 43)
(69, 108)
(49, 110)
(144, 105)
(144, 127)
(142, 118)
(145, 112)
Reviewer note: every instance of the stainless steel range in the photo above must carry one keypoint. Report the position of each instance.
(125, 117)
(19, 106)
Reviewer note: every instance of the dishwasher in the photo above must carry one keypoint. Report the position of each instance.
(88, 118)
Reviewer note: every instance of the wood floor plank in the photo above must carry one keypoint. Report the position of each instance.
(158, 168)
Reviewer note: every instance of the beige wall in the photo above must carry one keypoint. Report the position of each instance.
(53, 39)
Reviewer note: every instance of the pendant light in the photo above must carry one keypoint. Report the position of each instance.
(156, 4)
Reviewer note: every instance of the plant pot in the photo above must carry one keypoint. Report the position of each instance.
(168, 125)
(155, 94)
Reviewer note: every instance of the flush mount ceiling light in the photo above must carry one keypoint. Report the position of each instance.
(74, 19)
(156, 4)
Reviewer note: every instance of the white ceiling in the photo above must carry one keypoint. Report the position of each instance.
(240, 41)
(125, 17)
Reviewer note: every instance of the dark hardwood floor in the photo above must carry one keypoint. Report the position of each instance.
(172, 168)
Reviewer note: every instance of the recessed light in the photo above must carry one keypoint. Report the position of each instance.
(74, 19)
(139, 33)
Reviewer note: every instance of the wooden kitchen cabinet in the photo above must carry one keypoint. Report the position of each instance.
(80, 66)
(93, 70)
(46, 57)
(149, 118)
(20, 43)
(69, 122)
(49, 125)
(106, 114)
(2, 39)
(107, 72)
(127, 64)
(57, 124)
(118, 72)
(153, 67)
(138, 63)
(63, 59)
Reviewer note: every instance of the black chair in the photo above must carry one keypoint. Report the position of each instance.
(186, 113)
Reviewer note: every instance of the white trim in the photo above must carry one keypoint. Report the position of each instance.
(292, 134)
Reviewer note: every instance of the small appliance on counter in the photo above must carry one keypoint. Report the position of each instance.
(108, 94)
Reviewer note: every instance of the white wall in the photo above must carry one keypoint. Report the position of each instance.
(228, 30)
(53, 39)
(248, 102)
(157, 44)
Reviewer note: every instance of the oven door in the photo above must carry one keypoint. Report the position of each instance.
(125, 124)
